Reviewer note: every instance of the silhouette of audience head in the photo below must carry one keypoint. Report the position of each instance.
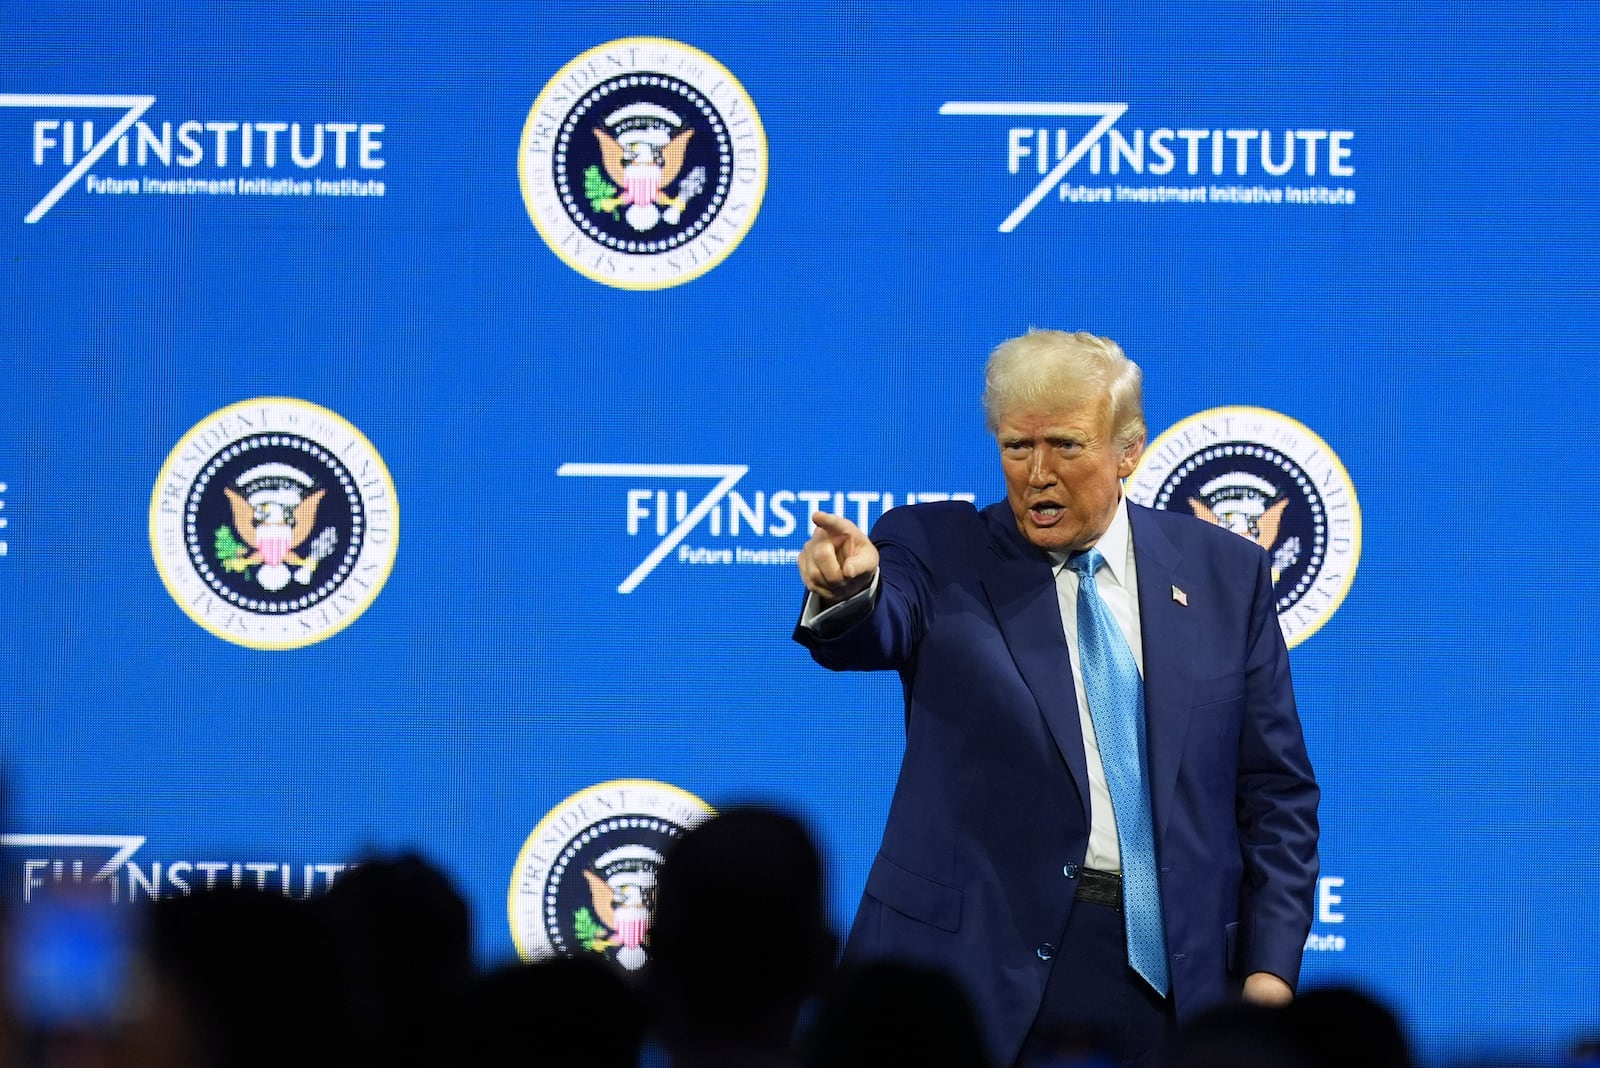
(1338, 1026)
(740, 938)
(405, 940)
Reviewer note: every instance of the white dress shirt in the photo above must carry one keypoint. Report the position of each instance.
(1118, 583)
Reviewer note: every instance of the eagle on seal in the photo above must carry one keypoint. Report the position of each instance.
(642, 171)
(272, 530)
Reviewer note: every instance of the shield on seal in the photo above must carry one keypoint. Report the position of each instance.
(643, 185)
(274, 542)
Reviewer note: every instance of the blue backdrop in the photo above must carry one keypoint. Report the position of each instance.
(480, 303)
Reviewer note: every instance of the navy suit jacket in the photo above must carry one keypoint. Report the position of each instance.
(989, 823)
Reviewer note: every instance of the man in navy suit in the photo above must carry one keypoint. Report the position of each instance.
(1004, 857)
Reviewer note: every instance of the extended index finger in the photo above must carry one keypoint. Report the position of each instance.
(834, 524)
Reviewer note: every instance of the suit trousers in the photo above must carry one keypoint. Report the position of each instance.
(1096, 1008)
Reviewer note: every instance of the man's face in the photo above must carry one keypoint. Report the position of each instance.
(1063, 471)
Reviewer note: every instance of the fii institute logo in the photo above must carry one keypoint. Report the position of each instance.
(585, 881)
(228, 157)
(274, 523)
(643, 163)
(107, 865)
(744, 526)
(1192, 163)
(1271, 480)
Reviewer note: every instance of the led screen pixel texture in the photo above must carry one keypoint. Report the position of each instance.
(927, 182)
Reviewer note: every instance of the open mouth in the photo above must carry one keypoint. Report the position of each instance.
(1045, 514)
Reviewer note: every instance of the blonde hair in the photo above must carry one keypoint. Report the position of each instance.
(1055, 367)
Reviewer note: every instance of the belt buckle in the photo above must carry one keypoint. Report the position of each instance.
(1100, 888)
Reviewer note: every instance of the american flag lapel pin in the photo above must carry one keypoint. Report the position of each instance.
(1181, 597)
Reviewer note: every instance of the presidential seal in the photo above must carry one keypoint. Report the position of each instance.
(643, 163)
(1269, 479)
(274, 523)
(585, 881)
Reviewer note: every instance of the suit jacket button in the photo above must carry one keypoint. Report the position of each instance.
(1046, 951)
(1070, 871)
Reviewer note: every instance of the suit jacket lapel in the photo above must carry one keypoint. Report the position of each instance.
(1018, 580)
(1167, 628)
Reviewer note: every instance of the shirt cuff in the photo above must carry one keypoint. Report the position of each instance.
(836, 618)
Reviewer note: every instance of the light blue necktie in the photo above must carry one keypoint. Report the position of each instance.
(1116, 707)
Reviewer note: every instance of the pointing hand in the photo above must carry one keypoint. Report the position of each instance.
(839, 560)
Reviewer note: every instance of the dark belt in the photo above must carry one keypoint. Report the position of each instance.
(1100, 887)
